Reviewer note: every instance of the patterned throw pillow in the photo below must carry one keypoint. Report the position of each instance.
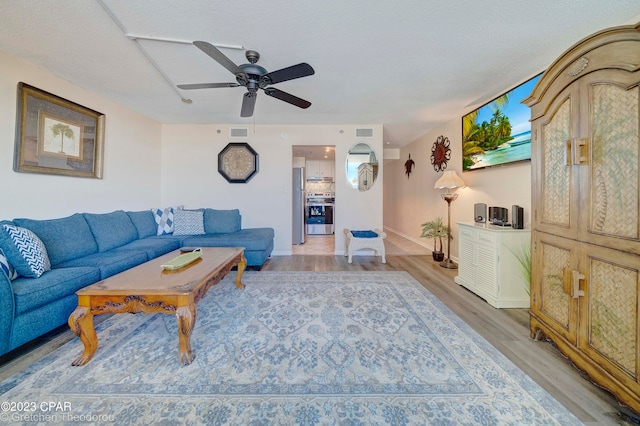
(188, 222)
(164, 219)
(6, 267)
(31, 249)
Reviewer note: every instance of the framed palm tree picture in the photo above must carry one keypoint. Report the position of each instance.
(498, 132)
(57, 136)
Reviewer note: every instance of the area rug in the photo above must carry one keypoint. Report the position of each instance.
(304, 348)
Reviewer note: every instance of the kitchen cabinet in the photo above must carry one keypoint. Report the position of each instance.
(585, 272)
(320, 170)
(489, 265)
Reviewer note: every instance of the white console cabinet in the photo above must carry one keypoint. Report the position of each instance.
(488, 263)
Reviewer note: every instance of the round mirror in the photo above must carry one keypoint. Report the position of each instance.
(362, 167)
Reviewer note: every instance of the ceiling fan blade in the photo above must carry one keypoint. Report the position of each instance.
(248, 104)
(217, 56)
(289, 73)
(287, 97)
(206, 85)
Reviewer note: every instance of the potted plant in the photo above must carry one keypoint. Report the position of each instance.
(436, 230)
(523, 256)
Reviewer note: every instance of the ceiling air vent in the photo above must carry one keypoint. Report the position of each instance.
(239, 133)
(364, 133)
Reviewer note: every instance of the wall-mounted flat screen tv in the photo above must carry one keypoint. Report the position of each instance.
(498, 132)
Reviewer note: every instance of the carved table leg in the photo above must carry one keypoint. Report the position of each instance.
(241, 267)
(186, 316)
(81, 323)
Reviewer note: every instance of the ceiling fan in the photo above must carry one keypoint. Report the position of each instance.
(253, 77)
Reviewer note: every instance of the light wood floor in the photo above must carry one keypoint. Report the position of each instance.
(505, 329)
(325, 245)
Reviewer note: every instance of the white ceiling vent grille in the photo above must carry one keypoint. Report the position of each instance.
(239, 133)
(364, 133)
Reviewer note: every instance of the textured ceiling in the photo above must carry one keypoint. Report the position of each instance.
(409, 65)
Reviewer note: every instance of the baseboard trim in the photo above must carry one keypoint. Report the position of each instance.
(414, 240)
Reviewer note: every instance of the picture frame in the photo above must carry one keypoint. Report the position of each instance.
(57, 136)
(238, 162)
(498, 132)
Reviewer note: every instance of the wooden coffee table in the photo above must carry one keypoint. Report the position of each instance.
(148, 288)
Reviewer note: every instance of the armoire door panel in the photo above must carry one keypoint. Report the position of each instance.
(551, 300)
(556, 193)
(609, 334)
(611, 182)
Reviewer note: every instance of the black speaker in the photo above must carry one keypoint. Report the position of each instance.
(480, 212)
(517, 217)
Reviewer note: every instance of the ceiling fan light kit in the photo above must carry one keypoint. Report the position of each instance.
(253, 77)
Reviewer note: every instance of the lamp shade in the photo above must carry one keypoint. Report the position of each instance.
(449, 180)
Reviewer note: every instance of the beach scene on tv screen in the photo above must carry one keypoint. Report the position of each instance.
(499, 132)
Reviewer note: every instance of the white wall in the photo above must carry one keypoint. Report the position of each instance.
(190, 175)
(410, 202)
(147, 164)
(131, 155)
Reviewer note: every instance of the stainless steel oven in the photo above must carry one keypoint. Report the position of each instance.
(319, 214)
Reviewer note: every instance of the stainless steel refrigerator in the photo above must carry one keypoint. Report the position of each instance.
(298, 201)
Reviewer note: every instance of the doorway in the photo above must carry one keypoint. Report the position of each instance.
(316, 245)
(315, 166)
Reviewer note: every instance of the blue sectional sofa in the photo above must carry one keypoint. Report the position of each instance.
(37, 293)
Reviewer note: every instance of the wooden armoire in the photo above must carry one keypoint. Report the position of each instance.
(585, 249)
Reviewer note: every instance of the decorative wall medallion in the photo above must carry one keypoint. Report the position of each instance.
(578, 66)
(238, 162)
(440, 153)
(408, 165)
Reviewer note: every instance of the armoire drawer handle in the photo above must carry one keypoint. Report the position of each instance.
(580, 148)
(576, 151)
(572, 280)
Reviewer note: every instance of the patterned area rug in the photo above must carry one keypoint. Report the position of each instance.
(307, 348)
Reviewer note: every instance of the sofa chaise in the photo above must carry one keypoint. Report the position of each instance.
(44, 262)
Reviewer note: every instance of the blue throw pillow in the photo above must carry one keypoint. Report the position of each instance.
(6, 267)
(25, 251)
(188, 222)
(164, 220)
